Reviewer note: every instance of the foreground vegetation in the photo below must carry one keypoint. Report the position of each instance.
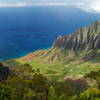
(39, 87)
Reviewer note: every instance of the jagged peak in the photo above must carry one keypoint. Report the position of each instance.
(84, 38)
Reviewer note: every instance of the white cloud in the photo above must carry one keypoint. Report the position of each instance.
(12, 5)
(92, 6)
(31, 4)
(50, 4)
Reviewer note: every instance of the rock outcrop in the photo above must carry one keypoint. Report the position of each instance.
(4, 72)
(85, 38)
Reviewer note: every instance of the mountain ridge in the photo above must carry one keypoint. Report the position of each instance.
(84, 38)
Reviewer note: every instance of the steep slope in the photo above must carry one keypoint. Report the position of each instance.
(4, 72)
(84, 41)
(84, 38)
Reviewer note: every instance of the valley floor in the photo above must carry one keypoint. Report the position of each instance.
(58, 70)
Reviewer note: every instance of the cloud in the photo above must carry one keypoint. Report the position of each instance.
(92, 6)
(13, 5)
(31, 4)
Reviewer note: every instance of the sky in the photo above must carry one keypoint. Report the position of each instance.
(92, 6)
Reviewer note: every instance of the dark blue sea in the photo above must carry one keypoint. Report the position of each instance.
(26, 29)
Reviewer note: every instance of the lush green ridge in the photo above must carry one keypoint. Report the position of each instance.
(73, 67)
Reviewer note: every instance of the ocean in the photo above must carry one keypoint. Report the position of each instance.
(26, 29)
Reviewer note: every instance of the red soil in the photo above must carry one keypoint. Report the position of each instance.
(29, 57)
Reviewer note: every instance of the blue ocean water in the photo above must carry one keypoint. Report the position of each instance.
(26, 29)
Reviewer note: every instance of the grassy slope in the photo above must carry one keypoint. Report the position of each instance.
(61, 69)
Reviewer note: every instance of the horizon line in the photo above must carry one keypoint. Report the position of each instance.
(32, 4)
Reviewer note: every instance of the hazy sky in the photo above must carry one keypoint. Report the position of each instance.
(29, 1)
(92, 6)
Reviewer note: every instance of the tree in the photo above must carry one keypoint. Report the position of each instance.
(21, 87)
(64, 97)
(91, 94)
(6, 92)
(95, 75)
(39, 83)
(78, 85)
(28, 94)
(63, 88)
(52, 94)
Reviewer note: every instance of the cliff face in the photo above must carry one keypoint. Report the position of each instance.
(83, 43)
(4, 72)
(85, 38)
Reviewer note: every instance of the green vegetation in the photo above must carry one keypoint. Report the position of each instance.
(66, 79)
(40, 88)
(95, 75)
(70, 78)
(59, 70)
(38, 79)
